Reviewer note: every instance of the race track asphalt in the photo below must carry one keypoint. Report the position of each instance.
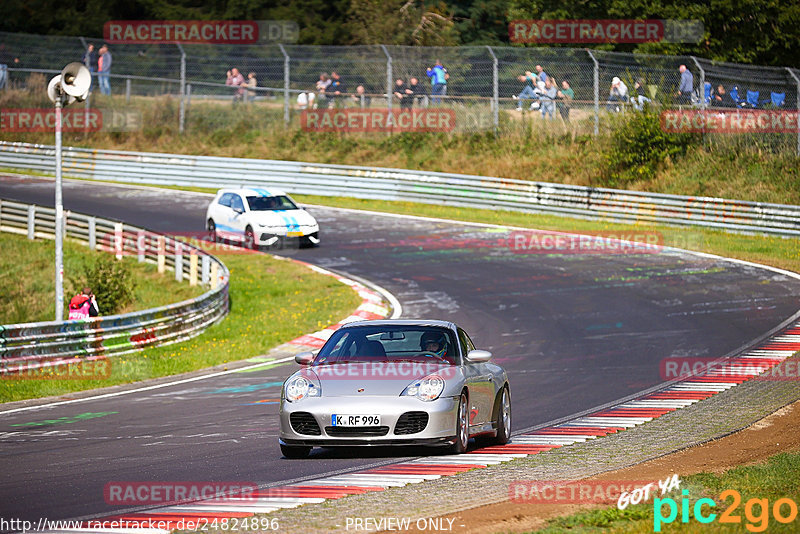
(574, 331)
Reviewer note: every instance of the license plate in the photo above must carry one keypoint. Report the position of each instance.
(355, 420)
(294, 234)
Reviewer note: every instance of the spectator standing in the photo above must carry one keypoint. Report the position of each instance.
(413, 90)
(640, 99)
(251, 85)
(541, 74)
(402, 94)
(686, 87)
(565, 97)
(361, 99)
(90, 60)
(322, 85)
(104, 70)
(336, 89)
(439, 76)
(235, 79)
(617, 95)
(548, 99)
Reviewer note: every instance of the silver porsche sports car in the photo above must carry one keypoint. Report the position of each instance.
(395, 382)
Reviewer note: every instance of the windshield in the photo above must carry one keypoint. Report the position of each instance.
(271, 203)
(390, 343)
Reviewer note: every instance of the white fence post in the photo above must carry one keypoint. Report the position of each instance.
(141, 242)
(31, 222)
(92, 233)
(118, 244)
(178, 262)
(205, 268)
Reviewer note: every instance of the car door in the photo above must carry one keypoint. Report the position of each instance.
(237, 217)
(481, 387)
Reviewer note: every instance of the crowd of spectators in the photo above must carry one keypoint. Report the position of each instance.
(330, 91)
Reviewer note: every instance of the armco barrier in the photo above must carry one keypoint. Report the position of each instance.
(396, 184)
(35, 345)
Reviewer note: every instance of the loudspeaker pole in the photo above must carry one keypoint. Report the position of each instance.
(59, 220)
(69, 86)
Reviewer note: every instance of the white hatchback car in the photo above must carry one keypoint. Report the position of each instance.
(259, 217)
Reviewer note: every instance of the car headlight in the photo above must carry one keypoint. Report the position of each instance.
(300, 387)
(426, 389)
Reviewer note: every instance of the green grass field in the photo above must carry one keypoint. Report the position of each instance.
(759, 488)
(27, 280)
(272, 301)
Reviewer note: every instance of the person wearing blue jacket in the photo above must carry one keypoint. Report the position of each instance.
(438, 75)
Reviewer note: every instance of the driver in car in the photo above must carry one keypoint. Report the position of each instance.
(435, 343)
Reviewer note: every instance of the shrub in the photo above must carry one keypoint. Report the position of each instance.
(112, 283)
(638, 146)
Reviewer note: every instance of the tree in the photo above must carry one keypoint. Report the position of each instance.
(400, 22)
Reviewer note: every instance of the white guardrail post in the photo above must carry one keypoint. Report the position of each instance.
(37, 345)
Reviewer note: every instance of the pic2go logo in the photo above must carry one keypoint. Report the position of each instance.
(756, 511)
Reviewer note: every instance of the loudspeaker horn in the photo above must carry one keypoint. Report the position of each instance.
(76, 80)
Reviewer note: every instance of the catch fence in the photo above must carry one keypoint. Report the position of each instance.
(482, 79)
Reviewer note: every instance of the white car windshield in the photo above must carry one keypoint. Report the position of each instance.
(271, 203)
(390, 343)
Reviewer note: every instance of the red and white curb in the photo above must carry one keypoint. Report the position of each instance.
(610, 420)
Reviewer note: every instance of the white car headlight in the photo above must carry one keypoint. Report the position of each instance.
(426, 389)
(300, 387)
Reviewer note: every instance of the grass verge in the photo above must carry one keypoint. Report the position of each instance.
(27, 280)
(766, 483)
(272, 301)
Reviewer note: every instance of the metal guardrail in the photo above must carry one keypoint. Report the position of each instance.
(35, 345)
(479, 192)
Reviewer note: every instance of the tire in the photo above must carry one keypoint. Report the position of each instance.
(295, 452)
(250, 239)
(462, 427)
(503, 420)
(212, 231)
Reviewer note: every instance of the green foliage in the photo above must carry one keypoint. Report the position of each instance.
(639, 146)
(112, 283)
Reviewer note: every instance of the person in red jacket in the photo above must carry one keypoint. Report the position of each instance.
(83, 305)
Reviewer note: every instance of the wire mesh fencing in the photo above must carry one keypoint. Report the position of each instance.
(480, 88)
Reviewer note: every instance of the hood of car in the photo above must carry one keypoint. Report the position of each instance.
(290, 219)
(371, 379)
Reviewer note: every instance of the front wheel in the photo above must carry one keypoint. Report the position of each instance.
(503, 421)
(295, 452)
(462, 427)
(212, 231)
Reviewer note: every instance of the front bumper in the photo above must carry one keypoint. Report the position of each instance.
(270, 237)
(440, 428)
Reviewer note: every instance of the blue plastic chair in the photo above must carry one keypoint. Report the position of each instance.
(707, 93)
(777, 99)
(752, 99)
(734, 94)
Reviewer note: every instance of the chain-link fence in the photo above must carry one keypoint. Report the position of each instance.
(485, 86)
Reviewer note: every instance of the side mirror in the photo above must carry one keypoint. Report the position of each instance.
(304, 358)
(479, 356)
(238, 210)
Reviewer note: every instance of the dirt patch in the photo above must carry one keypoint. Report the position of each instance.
(774, 434)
